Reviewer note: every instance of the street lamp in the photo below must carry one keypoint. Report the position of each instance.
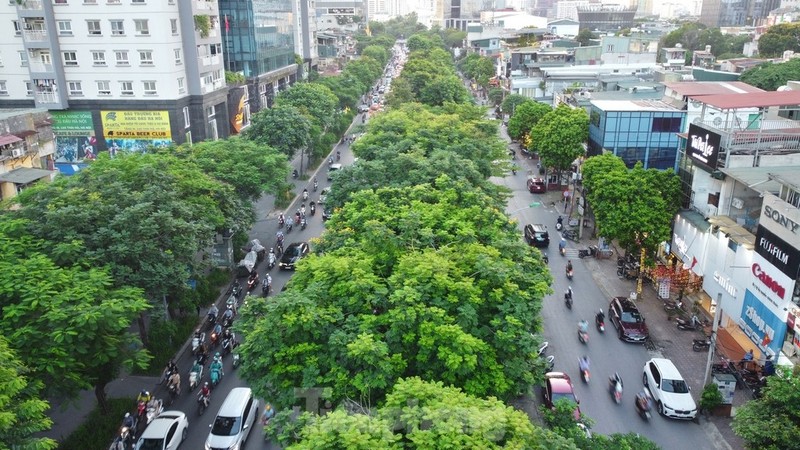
(640, 239)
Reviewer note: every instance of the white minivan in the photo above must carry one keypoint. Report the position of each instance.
(234, 420)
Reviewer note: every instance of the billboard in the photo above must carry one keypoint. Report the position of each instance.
(778, 252)
(135, 130)
(75, 136)
(763, 327)
(237, 97)
(702, 146)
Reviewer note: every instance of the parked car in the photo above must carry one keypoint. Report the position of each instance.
(536, 234)
(557, 385)
(363, 108)
(630, 325)
(537, 186)
(235, 420)
(670, 391)
(293, 253)
(165, 432)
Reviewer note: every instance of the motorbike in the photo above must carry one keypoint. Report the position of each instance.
(562, 247)
(211, 320)
(303, 224)
(315, 185)
(673, 307)
(237, 289)
(265, 287)
(305, 194)
(202, 403)
(559, 223)
(699, 345)
(643, 403)
(313, 207)
(689, 325)
(600, 323)
(545, 258)
(272, 260)
(583, 333)
(228, 343)
(295, 174)
(279, 248)
(584, 372)
(214, 338)
(281, 221)
(252, 281)
(194, 378)
(615, 387)
(338, 155)
(288, 227)
(173, 394)
(216, 376)
(549, 359)
(199, 337)
(149, 411)
(236, 359)
(568, 298)
(570, 272)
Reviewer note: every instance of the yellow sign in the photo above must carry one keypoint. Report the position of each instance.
(136, 124)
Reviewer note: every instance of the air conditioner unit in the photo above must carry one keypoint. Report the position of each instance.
(16, 152)
(737, 203)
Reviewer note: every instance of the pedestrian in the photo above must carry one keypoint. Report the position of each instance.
(197, 306)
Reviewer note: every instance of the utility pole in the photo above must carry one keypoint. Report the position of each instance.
(712, 348)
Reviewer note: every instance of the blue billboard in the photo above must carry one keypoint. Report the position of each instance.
(762, 326)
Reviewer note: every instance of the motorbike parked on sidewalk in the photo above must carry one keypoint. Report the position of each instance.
(689, 325)
(699, 345)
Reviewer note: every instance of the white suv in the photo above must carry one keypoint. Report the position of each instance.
(670, 391)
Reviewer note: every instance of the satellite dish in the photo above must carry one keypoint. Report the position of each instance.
(697, 120)
(717, 121)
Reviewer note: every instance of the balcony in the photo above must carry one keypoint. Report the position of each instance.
(202, 4)
(30, 5)
(40, 67)
(35, 35)
(47, 98)
(206, 88)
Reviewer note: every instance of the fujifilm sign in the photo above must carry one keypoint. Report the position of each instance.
(703, 147)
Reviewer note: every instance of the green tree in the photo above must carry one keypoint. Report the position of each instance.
(560, 135)
(377, 53)
(22, 414)
(453, 37)
(779, 38)
(69, 327)
(631, 203)
(312, 99)
(770, 422)
(346, 88)
(525, 117)
(770, 76)
(249, 168)
(496, 95)
(478, 68)
(443, 90)
(585, 37)
(512, 101)
(366, 70)
(284, 128)
(400, 93)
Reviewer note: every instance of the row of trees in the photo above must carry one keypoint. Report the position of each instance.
(694, 36)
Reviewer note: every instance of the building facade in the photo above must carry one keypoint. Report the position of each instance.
(124, 75)
(27, 147)
(606, 18)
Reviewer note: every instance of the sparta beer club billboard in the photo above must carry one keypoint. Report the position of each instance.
(702, 146)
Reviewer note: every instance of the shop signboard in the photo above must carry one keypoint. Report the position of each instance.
(778, 252)
(780, 218)
(75, 137)
(689, 244)
(237, 99)
(770, 285)
(764, 328)
(135, 130)
(702, 146)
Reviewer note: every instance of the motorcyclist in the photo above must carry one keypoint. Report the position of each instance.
(583, 363)
(143, 396)
(217, 364)
(568, 293)
(227, 315)
(175, 381)
(583, 326)
(305, 193)
(338, 155)
(268, 282)
(295, 174)
(643, 401)
(279, 237)
(297, 217)
(213, 312)
(600, 317)
(202, 353)
(170, 369)
(613, 381)
(196, 367)
(218, 330)
(128, 421)
(569, 266)
(281, 220)
(269, 413)
(302, 210)
(316, 184)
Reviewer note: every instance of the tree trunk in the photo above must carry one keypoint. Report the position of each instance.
(100, 394)
(142, 329)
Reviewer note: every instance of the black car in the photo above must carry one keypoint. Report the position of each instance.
(536, 234)
(293, 253)
(623, 313)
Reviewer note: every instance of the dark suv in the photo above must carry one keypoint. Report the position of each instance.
(625, 316)
(536, 234)
(536, 186)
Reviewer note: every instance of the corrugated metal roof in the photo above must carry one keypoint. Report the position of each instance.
(699, 88)
(8, 139)
(751, 100)
(24, 175)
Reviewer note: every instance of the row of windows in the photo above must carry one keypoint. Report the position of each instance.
(121, 58)
(109, 2)
(94, 28)
(75, 88)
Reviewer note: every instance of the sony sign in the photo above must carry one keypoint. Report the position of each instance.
(778, 252)
(702, 146)
(781, 219)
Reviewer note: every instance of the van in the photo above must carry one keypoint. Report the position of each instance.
(536, 234)
(333, 168)
(234, 420)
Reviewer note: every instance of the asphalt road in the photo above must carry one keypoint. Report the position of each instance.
(606, 353)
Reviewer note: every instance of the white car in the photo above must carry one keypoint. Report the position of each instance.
(165, 432)
(670, 391)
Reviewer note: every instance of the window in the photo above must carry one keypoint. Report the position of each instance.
(99, 58)
(122, 57)
(666, 125)
(117, 28)
(23, 58)
(173, 25)
(64, 28)
(210, 111)
(103, 88)
(189, 137)
(178, 56)
(70, 59)
(215, 49)
(149, 87)
(3, 87)
(146, 57)
(29, 88)
(181, 86)
(94, 27)
(186, 121)
(137, 2)
(74, 88)
(17, 28)
(60, 2)
(141, 27)
(89, 2)
(126, 87)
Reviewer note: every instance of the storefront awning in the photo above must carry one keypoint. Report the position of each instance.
(734, 231)
(8, 139)
(696, 219)
(24, 175)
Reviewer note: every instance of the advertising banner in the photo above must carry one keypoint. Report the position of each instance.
(770, 285)
(763, 327)
(236, 102)
(778, 252)
(75, 136)
(702, 146)
(135, 130)
(780, 218)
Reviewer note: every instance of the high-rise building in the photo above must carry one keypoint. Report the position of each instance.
(733, 13)
(305, 43)
(124, 74)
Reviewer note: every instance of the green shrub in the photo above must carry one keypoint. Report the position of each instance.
(99, 429)
(711, 398)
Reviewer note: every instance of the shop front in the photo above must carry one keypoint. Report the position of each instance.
(686, 256)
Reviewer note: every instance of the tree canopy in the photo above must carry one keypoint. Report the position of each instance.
(478, 68)
(694, 36)
(560, 136)
(770, 76)
(770, 422)
(629, 203)
(314, 100)
(526, 115)
(779, 38)
(283, 128)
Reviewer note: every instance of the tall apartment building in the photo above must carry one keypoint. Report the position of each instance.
(122, 74)
(258, 38)
(732, 13)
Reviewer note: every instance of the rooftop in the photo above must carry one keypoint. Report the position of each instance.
(633, 105)
(763, 179)
(699, 88)
(751, 99)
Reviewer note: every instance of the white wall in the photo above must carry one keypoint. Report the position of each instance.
(727, 274)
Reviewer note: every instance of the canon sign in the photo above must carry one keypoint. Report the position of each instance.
(703, 147)
(771, 284)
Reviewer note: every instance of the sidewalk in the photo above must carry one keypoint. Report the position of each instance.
(667, 340)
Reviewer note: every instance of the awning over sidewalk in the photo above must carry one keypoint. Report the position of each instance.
(24, 175)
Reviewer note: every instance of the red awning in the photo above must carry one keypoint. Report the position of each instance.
(8, 139)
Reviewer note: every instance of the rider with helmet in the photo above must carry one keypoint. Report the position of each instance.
(600, 317)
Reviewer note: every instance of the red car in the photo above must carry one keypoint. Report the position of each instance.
(557, 385)
(536, 186)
